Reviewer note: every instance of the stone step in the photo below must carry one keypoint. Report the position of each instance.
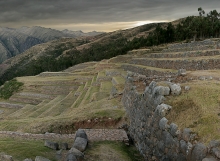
(192, 63)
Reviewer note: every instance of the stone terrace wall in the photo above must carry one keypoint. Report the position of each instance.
(155, 139)
(145, 71)
(188, 64)
(197, 45)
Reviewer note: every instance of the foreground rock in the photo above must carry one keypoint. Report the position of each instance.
(80, 144)
(5, 157)
(75, 152)
(81, 133)
(51, 145)
(39, 158)
(175, 88)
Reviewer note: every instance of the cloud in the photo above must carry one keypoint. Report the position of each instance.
(14, 13)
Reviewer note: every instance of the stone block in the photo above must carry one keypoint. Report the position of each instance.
(80, 144)
(81, 133)
(51, 145)
(39, 158)
(198, 153)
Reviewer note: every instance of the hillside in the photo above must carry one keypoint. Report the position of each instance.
(89, 95)
(14, 41)
(86, 49)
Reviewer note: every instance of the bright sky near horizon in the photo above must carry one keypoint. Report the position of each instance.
(99, 15)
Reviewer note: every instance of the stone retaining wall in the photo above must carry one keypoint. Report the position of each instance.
(153, 136)
(185, 54)
(197, 45)
(188, 64)
(145, 71)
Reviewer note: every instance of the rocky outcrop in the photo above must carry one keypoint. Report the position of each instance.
(151, 132)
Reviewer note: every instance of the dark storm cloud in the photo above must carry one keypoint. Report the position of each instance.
(51, 12)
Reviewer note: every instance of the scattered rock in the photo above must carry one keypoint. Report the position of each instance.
(181, 72)
(80, 144)
(39, 158)
(27, 159)
(51, 145)
(202, 78)
(187, 88)
(5, 157)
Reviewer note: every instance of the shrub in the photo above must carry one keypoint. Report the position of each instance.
(7, 90)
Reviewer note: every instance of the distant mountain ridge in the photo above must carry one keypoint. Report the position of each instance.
(14, 41)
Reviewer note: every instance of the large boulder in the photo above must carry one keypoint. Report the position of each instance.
(80, 144)
(175, 88)
(39, 158)
(51, 145)
(81, 133)
(161, 90)
(27, 159)
(78, 154)
(198, 152)
(71, 157)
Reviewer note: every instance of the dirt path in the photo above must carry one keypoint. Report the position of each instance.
(93, 135)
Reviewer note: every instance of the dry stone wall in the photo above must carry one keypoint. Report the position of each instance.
(188, 64)
(185, 54)
(145, 71)
(197, 45)
(153, 136)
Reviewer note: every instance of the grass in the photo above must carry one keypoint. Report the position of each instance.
(100, 75)
(111, 151)
(199, 108)
(10, 87)
(22, 149)
(119, 80)
(106, 86)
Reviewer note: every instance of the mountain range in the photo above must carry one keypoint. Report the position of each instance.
(14, 41)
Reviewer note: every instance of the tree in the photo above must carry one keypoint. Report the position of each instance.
(201, 12)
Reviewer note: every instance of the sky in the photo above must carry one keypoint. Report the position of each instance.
(98, 15)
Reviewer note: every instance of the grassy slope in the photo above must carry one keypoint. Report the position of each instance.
(109, 151)
(199, 108)
(22, 149)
